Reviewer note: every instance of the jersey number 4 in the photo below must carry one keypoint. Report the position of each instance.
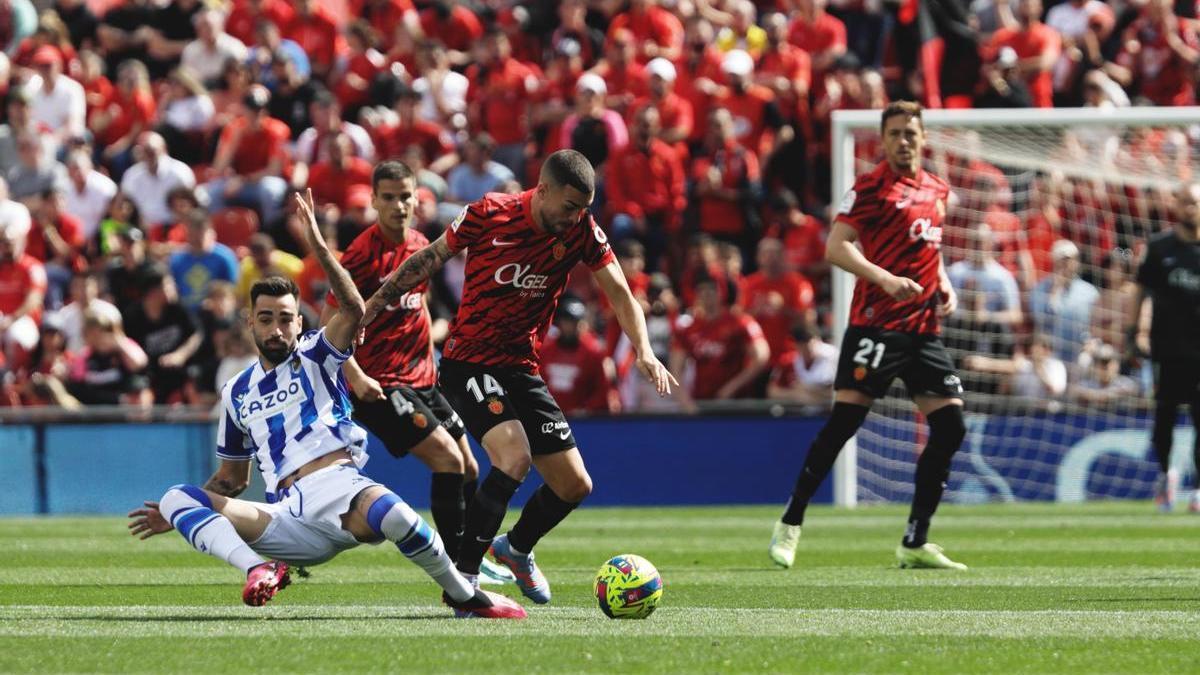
(490, 386)
(865, 347)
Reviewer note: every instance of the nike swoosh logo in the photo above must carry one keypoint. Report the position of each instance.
(483, 540)
(904, 203)
(562, 435)
(497, 242)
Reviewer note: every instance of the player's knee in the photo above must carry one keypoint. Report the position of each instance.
(946, 430)
(181, 497)
(844, 421)
(391, 518)
(514, 465)
(575, 490)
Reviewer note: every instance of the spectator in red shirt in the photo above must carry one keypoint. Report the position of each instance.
(130, 111)
(675, 113)
(501, 91)
(246, 14)
(697, 72)
(384, 16)
(1159, 56)
(726, 350)
(725, 182)
(251, 159)
(757, 122)
(1037, 46)
(22, 288)
(332, 181)
(819, 33)
(573, 26)
(357, 68)
(453, 24)
(56, 240)
(778, 298)
(626, 79)
(802, 235)
(701, 261)
(578, 372)
(315, 29)
(657, 31)
(785, 69)
(391, 140)
(645, 184)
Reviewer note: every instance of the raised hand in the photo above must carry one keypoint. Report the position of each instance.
(657, 373)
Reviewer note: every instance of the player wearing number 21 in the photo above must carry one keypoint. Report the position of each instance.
(895, 212)
(520, 249)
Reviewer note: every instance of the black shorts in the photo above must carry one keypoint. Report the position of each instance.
(1177, 380)
(485, 396)
(872, 357)
(408, 416)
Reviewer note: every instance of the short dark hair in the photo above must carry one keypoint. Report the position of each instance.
(153, 276)
(898, 108)
(273, 287)
(390, 170)
(570, 167)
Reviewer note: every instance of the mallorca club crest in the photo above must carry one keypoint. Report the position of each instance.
(560, 250)
(860, 373)
(419, 420)
(495, 406)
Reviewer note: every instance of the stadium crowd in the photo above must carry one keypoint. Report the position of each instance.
(148, 153)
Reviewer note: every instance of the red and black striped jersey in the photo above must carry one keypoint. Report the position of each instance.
(899, 224)
(396, 350)
(515, 274)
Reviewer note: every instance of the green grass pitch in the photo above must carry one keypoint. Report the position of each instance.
(1108, 587)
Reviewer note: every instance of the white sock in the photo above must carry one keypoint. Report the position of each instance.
(419, 543)
(190, 511)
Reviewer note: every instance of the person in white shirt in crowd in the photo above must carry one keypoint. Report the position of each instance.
(57, 101)
(1037, 377)
(1103, 384)
(989, 301)
(84, 296)
(20, 121)
(88, 192)
(443, 91)
(1061, 304)
(35, 172)
(154, 176)
(808, 378)
(206, 55)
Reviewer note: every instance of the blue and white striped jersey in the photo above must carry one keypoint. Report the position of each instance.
(292, 414)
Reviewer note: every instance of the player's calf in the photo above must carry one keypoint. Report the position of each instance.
(190, 511)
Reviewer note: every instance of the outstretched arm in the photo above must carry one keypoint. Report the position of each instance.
(342, 329)
(408, 276)
(231, 478)
(633, 322)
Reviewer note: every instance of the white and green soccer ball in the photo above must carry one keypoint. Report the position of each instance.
(628, 587)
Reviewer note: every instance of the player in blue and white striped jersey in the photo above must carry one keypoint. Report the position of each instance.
(291, 412)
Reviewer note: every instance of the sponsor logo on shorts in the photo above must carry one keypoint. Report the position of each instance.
(953, 382)
(495, 406)
(556, 427)
(860, 373)
(419, 420)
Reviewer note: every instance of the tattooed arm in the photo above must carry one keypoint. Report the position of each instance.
(342, 329)
(231, 478)
(408, 276)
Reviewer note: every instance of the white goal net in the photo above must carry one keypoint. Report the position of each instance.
(1054, 410)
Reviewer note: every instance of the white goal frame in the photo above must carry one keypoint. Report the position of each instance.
(846, 122)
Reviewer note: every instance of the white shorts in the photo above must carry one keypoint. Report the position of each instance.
(306, 525)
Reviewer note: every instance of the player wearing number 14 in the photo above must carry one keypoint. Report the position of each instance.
(895, 211)
(520, 249)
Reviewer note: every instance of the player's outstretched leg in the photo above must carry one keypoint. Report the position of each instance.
(190, 511)
(390, 517)
(843, 422)
(946, 432)
(1162, 438)
(484, 518)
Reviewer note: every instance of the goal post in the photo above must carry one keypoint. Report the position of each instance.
(1101, 176)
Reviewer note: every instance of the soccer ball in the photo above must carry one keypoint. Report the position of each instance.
(628, 587)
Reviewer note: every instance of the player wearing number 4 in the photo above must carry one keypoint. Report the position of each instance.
(290, 412)
(520, 250)
(392, 374)
(895, 212)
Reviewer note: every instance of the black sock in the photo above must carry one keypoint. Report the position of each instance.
(843, 422)
(541, 513)
(468, 491)
(1164, 432)
(484, 518)
(946, 432)
(1195, 411)
(448, 509)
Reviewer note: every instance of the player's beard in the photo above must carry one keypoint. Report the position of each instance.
(274, 351)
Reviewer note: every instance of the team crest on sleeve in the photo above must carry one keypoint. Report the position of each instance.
(599, 232)
(847, 204)
(462, 215)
